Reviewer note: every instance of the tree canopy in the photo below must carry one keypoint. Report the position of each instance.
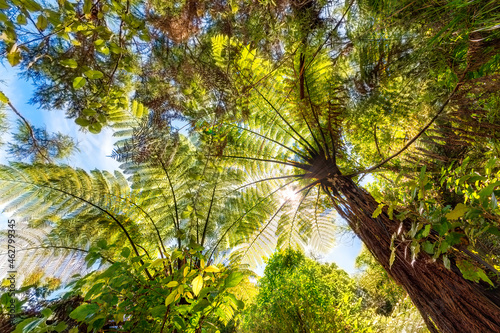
(249, 127)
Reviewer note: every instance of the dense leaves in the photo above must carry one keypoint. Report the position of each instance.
(298, 294)
(289, 105)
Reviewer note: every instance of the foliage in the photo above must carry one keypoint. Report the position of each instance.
(298, 294)
(454, 211)
(392, 306)
(290, 104)
(37, 145)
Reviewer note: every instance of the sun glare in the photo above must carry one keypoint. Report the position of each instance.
(289, 194)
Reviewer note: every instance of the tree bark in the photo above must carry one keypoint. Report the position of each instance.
(447, 301)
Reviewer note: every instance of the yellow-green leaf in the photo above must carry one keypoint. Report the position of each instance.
(93, 74)
(378, 211)
(3, 98)
(79, 82)
(41, 22)
(457, 212)
(21, 19)
(14, 57)
(197, 284)
(4, 5)
(212, 269)
(158, 262)
(170, 298)
(70, 63)
(392, 258)
(172, 284)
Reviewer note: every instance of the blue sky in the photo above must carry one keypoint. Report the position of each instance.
(94, 152)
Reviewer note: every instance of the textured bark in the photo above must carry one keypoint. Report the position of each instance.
(447, 301)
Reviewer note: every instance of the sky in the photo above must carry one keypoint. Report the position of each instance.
(95, 150)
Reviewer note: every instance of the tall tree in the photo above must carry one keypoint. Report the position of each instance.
(303, 122)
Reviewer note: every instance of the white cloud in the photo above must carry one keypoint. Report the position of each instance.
(95, 149)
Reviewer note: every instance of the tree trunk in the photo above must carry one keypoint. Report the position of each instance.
(447, 301)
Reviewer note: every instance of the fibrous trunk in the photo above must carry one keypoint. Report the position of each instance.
(447, 301)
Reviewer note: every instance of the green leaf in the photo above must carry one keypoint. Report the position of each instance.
(82, 121)
(426, 231)
(28, 325)
(3, 98)
(177, 254)
(488, 190)
(179, 322)
(70, 63)
(21, 19)
(4, 5)
(95, 290)
(103, 49)
(31, 5)
(41, 22)
(443, 227)
(482, 275)
(79, 82)
(471, 272)
(102, 243)
(89, 112)
(61, 326)
(494, 230)
(87, 6)
(197, 284)
(125, 252)
(46, 312)
(14, 57)
(233, 279)
(422, 173)
(84, 311)
(428, 247)
(95, 128)
(93, 74)
(457, 212)
(158, 311)
(202, 304)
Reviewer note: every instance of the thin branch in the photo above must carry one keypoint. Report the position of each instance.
(32, 134)
(266, 179)
(290, 163)
(316, 117)
(208, 214)
(178, 224)
(274, 141)
(285, 121)
(376, 140)
(58, 247)
(409, 143)
(330, 34)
